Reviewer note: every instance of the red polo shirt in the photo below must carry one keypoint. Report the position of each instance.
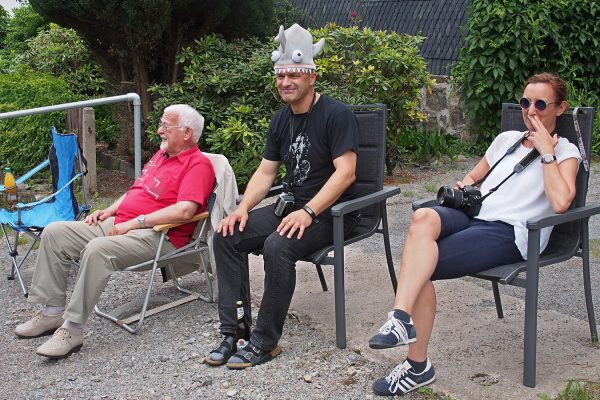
(188, 176)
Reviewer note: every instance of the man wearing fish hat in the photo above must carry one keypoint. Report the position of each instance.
(316, 138)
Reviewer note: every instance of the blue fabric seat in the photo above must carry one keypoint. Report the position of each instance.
(67, 166)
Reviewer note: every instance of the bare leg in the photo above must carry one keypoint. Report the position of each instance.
(423, 315)
(419, 258)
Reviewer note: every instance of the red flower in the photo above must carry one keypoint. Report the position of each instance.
(353, 14)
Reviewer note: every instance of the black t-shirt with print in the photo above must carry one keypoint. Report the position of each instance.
(331, 130)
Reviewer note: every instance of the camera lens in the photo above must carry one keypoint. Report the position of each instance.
(449, 197)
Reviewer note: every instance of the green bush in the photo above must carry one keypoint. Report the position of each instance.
(233, 85)
(62, 53)
(25, 141)
(510, 40)
(366, 66)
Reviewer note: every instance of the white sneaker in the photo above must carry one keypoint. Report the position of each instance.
(62, 344)
(40, 325)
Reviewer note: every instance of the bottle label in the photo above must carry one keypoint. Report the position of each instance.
(240, 313)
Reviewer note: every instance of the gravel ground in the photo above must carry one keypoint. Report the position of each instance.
(165, 360)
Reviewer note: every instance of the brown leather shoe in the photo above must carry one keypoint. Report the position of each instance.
(40, 325)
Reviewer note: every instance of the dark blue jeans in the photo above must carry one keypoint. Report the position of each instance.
(468, 245)
(280, 255)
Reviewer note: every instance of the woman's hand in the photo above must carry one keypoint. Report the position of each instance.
(540, 137)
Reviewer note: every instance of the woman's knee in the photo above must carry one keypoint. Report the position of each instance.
(425, 222)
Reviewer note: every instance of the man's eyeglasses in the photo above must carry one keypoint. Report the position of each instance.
(539, 104)
(161, 124)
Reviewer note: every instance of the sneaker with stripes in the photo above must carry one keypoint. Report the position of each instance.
(394, 333)
(403, 379)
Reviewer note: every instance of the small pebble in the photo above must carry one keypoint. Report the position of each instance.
(231, 392)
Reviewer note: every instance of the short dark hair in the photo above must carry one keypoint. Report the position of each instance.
(559, 86)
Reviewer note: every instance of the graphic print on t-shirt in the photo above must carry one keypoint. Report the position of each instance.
(152, 187)
(299, 151)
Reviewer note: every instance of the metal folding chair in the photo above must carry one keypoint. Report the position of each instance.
(189, 258)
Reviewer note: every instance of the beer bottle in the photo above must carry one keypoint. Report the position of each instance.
(242, 329)
(10, 187)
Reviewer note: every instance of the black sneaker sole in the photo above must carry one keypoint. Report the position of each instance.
(268, 357)
(378, 393)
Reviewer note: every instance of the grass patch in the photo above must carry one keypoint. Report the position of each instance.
(428, 394)
(578, 390)
(431, 187)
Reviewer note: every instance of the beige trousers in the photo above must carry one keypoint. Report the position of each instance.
(98, 255)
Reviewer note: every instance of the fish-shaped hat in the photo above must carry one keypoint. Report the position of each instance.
(296, 50)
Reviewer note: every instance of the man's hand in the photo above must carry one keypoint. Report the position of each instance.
(124, 227)
(298, 220)
(95, 217)
(227, 224)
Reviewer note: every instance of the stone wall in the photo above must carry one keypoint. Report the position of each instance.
(442, 108)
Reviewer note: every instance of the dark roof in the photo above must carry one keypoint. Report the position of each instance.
(439, 21)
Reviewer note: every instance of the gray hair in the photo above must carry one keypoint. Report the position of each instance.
(188, 117)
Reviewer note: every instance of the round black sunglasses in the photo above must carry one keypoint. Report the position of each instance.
(539, 104)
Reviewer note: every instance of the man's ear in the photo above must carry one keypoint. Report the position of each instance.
(313, 78)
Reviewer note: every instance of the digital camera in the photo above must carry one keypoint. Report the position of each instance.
(468, 199)
(284, 204)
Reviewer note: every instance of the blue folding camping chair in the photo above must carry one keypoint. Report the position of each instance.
(66, 166)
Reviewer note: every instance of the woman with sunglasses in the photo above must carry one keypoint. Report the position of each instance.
(446, 243)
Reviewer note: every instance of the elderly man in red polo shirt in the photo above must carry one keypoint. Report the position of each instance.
(174, 185)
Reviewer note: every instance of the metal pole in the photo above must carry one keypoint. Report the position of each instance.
(129, 97)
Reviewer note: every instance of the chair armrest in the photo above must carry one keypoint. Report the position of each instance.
(29, 174)
(364, 201)
(24, 206)
(275, 190)
(166, 227)
(428, 202)
(568, 216)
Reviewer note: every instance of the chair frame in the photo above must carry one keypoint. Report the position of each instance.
(197, 246)
(509, 274)
(339, 211)
(35, 232)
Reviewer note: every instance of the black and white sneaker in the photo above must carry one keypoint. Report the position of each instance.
(394, 333)
(403, 379)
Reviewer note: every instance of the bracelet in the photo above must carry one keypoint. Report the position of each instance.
(309, 211)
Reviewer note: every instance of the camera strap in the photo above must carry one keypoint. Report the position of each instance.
(519, 167)
(586, 163)
(510, 150)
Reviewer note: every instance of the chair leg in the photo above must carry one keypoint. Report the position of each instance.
(587, 284)
(338, 271)
(388, 249)
(497, 299)
(13, 253)
(531, 304)
(142, 313)
(321, 277)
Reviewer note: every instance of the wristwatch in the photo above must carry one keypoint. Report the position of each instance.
(548, 158)
(141, 219)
